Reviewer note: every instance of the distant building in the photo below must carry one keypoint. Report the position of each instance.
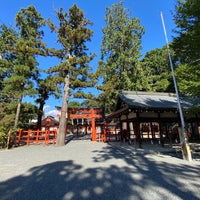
(50, 123)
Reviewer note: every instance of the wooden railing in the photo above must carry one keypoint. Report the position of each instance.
(49, 137)
(36, 137)
(108, 136)
(112, 136)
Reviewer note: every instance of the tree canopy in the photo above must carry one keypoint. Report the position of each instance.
(20, 47)
(186, 45)
(187, 39)
(120, 50)
(157, 72)
(73, 72)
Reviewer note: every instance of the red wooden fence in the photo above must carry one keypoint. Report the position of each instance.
(49, 136)
(36, 137)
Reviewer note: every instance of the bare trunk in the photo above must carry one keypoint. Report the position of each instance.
(40, 114)
(18, 112)
(63, 118)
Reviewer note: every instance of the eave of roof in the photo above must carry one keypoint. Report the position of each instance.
(153, 100)
(118, 112)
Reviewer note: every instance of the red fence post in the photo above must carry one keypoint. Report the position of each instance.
(37, 136)
(28, 137)
(19, 136)
(47, 133)
(104, 131)
(94, 136)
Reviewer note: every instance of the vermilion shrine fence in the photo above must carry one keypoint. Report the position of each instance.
(49, 136)
(36, 137)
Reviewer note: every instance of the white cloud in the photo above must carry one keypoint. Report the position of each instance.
(46, 107)
(50, 112)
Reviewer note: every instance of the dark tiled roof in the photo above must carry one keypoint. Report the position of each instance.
(153, 100)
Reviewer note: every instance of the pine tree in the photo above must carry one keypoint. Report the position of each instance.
(45, 88)
(73, 71)
(28, 45)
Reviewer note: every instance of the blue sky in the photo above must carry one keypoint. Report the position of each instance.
(148, 11)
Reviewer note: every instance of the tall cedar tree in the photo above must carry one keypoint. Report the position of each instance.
(73, 71)
(187, 39)
(23, 68)
(187, 46)
(120, 50)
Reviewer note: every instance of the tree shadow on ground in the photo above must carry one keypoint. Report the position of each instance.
(73, 137)
(67, 180)
(178, 180)
(134, 177)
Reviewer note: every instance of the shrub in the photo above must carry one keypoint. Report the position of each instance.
(3, 137)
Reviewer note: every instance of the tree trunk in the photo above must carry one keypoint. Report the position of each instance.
(40, 114)
(63, 118)
(18, 112)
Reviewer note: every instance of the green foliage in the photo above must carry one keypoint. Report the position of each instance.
(3, 137)
(91, 103)
(28, 113)
(157, 72)
(45, 88)
(7, 137)
(187, 46)
(7, 114)
(187, 40)
(74, 104)
(18, 63)
(72, 35)
(73, 72)
(188, 79)
(120, 50)
(29, 22)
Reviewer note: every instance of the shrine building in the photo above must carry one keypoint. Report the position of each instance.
(154, 116)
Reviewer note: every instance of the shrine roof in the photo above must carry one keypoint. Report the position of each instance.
(154, 100)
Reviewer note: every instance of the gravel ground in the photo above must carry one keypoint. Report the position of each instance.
(91, 170)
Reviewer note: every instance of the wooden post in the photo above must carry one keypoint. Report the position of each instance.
(138, 130)
(45, 136)
(19, 137)
(37, 136)
(93, 127)
(131, 130)
(104, 131)
(28, 137)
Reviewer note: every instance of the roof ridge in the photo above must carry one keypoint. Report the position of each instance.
(148, 93)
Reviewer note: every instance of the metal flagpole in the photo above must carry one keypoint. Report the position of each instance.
(184, 141)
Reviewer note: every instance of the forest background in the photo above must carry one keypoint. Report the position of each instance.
(34, 70)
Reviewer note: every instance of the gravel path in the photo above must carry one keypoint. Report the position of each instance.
(91, 170)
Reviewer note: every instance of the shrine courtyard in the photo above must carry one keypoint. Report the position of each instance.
(96, 170)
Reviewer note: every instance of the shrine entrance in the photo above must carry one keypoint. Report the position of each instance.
(84, 121)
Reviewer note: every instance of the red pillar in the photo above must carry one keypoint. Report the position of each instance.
(94, 137)
(104, 132)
